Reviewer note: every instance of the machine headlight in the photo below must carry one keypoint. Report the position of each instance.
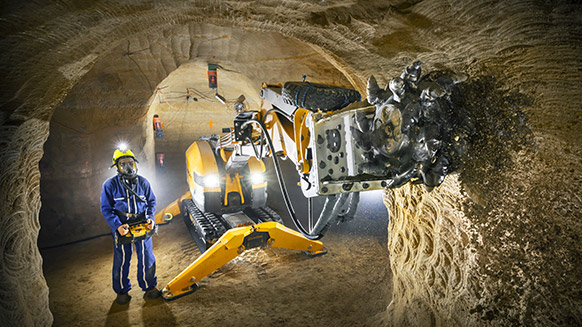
(257, 178)
(211, 181)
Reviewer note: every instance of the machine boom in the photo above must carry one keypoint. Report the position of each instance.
(233, 243)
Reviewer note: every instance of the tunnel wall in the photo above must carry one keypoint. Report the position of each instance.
(24, 295)
(527, 211)
(433, 257)
(497, 244)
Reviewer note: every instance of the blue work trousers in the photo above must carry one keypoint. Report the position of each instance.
(146, 266)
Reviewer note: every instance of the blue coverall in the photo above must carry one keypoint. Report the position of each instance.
(115, 197)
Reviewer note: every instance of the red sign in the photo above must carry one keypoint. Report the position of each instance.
(212, 77)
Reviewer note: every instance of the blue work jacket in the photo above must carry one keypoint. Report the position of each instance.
(115, 197)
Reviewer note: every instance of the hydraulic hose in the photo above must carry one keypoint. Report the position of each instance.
(258, 154)
(276, 110)
(352, 206)
(333, 204)
(282, 185)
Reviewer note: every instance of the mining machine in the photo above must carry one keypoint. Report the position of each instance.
(340, 146)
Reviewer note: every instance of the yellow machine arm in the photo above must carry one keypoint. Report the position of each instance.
(167, 214)
(234, 242)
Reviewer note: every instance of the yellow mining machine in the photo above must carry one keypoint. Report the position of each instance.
(340, 146)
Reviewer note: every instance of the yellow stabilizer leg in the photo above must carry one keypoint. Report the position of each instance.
(234, 242)
(286, 238)
(172, 209)
(228, 247)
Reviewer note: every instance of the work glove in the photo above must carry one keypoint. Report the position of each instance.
(151, 224)
(123, 229)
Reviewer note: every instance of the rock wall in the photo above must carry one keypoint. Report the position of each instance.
(504, 251)
(521, 211)
(22, 285)
(432, 256)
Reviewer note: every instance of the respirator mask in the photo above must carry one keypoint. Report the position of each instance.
(127, 168)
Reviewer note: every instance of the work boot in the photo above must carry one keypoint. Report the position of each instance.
(122, 298)
(153, 293)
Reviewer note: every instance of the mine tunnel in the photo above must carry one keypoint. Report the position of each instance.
(497, 242)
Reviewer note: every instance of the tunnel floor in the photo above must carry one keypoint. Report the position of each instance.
(348, 286)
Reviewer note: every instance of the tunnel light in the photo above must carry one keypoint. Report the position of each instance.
(211, 181)
(220, 98)
(257, 178)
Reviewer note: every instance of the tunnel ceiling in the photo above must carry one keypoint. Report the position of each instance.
(523, 212)
(121, 85)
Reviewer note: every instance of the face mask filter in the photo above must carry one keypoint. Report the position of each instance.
(127, 169)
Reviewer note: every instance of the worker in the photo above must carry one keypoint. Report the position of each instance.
(128, 195)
